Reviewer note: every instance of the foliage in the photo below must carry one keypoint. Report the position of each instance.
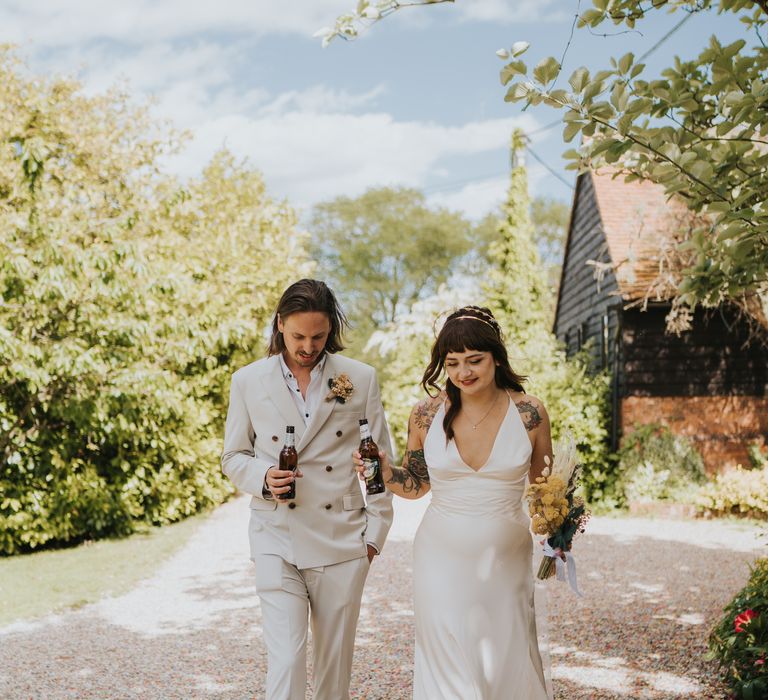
(348, 25)
(549, 218)
(739, 641)
(384, 249)
(126, 300)
(655, 464)
(740, 492)
(516, 291)
(700, 131)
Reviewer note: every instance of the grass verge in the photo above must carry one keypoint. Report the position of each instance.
(32, 585)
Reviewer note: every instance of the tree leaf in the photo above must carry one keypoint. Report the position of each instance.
(511, 70)
(579, 79)
(570, 130)
(546, 70)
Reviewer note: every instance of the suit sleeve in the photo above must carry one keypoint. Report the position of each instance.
(238, 460)
(379, 506)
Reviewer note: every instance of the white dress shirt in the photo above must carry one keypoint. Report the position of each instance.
(307, 405)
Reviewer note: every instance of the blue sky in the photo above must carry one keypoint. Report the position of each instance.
(415, 101)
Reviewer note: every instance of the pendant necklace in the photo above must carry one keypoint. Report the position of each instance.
(487, 413)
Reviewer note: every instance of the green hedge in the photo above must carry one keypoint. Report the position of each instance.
(126, 300)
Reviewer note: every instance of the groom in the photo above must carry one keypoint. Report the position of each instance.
(312, 553)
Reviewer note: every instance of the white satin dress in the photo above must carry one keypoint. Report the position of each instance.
(473, 576)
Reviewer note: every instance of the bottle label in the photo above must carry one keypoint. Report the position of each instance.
(370, 466)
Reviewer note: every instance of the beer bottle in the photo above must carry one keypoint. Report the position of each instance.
(369, 452)
(289, 461)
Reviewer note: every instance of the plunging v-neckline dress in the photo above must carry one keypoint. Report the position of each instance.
(473, 578)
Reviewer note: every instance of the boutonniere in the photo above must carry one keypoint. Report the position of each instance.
(341, 388)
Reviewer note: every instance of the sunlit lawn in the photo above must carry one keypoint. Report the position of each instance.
(32, 585)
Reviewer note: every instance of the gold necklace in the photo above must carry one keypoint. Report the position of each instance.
(487, 413)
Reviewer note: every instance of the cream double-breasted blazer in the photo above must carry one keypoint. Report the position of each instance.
(329, 520)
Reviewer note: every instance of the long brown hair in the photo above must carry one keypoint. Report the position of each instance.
(469, 328)
(309, 295)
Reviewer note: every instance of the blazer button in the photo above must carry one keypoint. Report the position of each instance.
(327, 506)
(291, 505)
(329, 468)
(275, 438)
(338, 433)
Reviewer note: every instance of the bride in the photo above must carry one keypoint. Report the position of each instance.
(473, 446)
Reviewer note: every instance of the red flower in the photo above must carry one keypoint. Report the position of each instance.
(744, 619)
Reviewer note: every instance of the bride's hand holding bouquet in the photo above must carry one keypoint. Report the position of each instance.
(556, 512)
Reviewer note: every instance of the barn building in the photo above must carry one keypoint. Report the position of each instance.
(709, 383)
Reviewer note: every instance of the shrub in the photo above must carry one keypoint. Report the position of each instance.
(655, 464)
(126, 300)
(739, 642)
(740, 492)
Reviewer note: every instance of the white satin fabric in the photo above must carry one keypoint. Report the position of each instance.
(473, 578)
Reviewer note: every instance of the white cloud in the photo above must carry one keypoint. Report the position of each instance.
(320, 98)
(311, 144)
(481, 196)
(509, 11)
(310, 156)
(475, 199)
(55, 23)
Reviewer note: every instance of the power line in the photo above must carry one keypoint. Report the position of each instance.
(544, 128)
(456, 185)
(551, 171)
(665, 37)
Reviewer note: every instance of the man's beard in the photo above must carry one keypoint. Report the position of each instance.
(310, 361)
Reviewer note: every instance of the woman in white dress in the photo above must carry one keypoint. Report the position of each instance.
(473, 446)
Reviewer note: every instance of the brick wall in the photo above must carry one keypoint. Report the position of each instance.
(721, 427)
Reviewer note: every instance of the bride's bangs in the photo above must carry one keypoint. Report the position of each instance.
(466, 335)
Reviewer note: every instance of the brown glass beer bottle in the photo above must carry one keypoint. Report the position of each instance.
(369, 452)
(289, 461)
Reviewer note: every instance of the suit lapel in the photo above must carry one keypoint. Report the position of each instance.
(280, 395)
(324, 407)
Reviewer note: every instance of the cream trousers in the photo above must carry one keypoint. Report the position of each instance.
(329, 597)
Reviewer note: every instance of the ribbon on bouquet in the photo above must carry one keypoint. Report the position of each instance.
(563, 567)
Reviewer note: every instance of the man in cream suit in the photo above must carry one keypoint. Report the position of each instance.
(311, 553)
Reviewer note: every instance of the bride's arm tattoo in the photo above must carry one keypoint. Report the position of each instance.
(424, 413)
(413, 474)
(530, 415)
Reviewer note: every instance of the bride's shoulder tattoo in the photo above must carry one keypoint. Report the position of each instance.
(529, 412)
(413, 474)
(424, 413)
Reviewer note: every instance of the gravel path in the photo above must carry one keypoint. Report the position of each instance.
(651, 591)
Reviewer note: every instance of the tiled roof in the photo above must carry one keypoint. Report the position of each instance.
(636, 219)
